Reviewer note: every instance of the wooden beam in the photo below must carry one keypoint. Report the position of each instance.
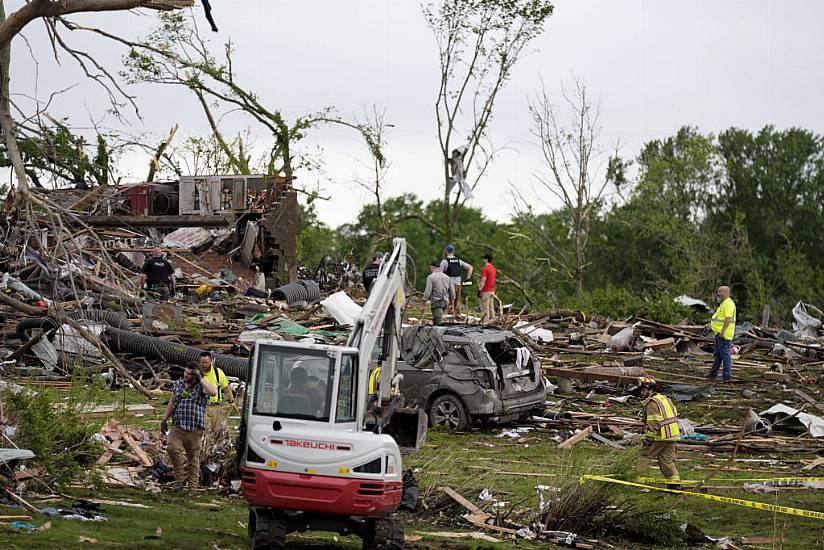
(809, 400)
(110, 450)
(20, 501)
(160, 221)
(479, 520)
(814, 464)
(462, 501)
(141, 454)
(580, 436)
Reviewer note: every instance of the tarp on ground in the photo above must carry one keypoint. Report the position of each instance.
(805, 324)
(815, 424)
(340, 306)
(282, 325)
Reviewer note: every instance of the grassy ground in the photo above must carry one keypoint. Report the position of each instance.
(477, 461)
(469, 463)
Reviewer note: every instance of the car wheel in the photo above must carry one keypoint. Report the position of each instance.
(448, 410)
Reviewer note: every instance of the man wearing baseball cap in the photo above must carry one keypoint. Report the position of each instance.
(452, 266)
(439, 292)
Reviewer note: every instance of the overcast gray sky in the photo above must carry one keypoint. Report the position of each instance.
(656, 65)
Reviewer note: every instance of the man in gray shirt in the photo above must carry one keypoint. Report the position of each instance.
(439, 292)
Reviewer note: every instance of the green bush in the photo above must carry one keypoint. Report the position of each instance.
(620, 303)
(612, 302)
(54, 430)
(663, 308)
(624, 466)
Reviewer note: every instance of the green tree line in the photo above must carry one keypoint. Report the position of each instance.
(740, 208)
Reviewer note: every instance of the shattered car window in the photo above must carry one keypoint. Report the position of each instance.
(459, 354)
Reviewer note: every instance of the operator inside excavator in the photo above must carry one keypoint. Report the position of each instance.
(299, 385)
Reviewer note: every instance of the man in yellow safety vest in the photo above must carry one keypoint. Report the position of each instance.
(661, 432)
(723, 326)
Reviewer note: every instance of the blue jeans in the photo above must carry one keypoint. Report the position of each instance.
(722, 355)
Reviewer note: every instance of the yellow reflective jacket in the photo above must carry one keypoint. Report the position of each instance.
(725, 309)
(660, 419)
(374, 381)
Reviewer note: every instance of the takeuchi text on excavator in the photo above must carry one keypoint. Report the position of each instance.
(315, 450)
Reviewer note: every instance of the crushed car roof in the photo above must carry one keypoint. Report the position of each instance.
(473, 333)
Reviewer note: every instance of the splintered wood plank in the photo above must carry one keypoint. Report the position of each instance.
(810, 400)
(141, 454)
(28, 473)
(463, 502)
(20, 501)
(110, 450)
(814, 464)
(479, 520)
(615, 429)
(580, 436)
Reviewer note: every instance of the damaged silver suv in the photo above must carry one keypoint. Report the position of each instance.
(462, 373)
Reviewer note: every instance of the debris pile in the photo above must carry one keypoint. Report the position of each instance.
(72, 308)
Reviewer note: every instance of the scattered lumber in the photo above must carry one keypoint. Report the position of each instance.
(580, 436)
(141, 454)
(19, 500)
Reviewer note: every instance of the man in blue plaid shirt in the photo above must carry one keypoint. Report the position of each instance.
(187, 409)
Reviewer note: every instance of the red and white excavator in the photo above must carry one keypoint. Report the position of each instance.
(314, 451)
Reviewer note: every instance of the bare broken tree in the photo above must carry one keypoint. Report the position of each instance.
(175, 54)
(479, 42)
(373, 128)
(34, 210)
(573, 173)
(48, 10)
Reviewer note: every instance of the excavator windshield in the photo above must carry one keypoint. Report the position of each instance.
(294, 384)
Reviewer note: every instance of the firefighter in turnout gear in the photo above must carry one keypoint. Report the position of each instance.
(661, 432)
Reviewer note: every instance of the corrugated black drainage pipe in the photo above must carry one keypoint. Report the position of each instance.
(122, 341)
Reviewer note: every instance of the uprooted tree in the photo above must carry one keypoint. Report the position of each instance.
(479, 42)
(32, 210)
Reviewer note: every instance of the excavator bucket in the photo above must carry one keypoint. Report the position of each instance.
(408, 427)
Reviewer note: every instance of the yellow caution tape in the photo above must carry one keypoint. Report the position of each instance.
(728, 500)
(734, 479)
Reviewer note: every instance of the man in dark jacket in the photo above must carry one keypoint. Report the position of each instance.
(158, 274)
(453, 267)
(372, 271)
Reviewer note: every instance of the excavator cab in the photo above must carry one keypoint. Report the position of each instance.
(314, 453)
(305, 461)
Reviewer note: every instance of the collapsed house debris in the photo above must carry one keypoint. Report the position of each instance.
(71, 307)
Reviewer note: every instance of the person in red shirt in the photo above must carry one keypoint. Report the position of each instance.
(487, 289)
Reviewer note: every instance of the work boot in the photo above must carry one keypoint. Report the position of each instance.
(177, 486)
(193, 492)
